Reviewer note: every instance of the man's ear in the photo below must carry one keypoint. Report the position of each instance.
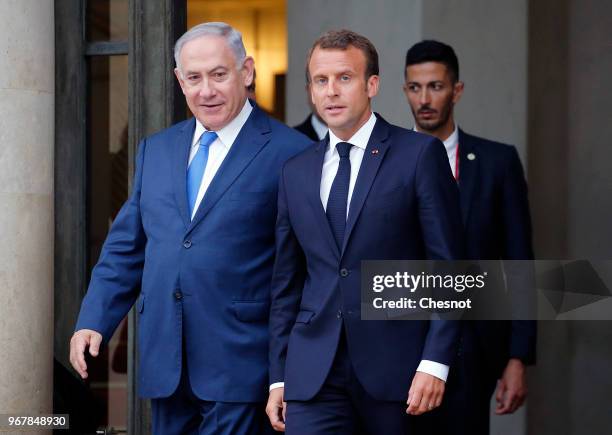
(372, 86)
(179, 77)
(248, 67)
(457, 91)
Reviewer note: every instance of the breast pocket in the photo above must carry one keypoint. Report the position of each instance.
(256, 209)
(251, 311)
(381, 202)
(252, 198)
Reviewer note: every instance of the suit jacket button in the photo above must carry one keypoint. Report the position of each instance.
(344, 273)
(178, 296)
(187, 244)
(339, 315)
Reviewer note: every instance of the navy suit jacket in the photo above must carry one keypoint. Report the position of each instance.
(495, 213)
(404, 206)
(205, 282)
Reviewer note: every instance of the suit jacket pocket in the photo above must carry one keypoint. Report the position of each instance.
(252, 197)
(140, 303)
(251, 311)
(380, 201)
(304, 316)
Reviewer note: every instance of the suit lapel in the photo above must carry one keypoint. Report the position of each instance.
(372, 158)
(180, 158)
(253, 136)
(468, 173)
(314, 194)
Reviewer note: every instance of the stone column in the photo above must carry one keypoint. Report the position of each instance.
(26, 212)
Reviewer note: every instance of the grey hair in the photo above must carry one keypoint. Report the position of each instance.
(231, 35)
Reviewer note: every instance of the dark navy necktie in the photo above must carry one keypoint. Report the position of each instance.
(338, 194)
(195, 172)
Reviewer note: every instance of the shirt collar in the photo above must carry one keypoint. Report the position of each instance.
(359, 139)
(451, 142)
(319, 127)
(227, 135)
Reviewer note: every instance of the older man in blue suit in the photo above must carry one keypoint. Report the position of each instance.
(495, 213)
(197, 237)
(370, 190)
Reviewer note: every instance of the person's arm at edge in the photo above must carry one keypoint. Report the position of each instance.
(440, 217)
(512, 386)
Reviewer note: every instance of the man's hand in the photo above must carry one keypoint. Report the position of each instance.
(511, 388)
(276, 409)
(82, 339)
(425, 393)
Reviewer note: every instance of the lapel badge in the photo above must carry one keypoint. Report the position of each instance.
(471, 156)
(375, 151)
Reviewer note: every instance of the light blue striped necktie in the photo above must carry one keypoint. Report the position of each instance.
(197, 167)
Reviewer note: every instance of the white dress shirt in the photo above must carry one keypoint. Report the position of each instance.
(330, 167)
(319, 127)
(218, 149)
(332, 159)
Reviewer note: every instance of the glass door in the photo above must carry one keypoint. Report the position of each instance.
(92, 173)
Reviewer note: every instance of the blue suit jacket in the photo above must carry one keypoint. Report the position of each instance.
(495, 213)
(404, 206)
(205, 283)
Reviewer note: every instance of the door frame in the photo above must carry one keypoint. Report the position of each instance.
(155, 101)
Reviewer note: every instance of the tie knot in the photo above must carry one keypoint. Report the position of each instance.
(343, 148)
(207, 138)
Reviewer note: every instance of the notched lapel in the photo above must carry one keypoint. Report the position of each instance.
(180, 157)
(372, 158)
(253, 137)
(468, 173)
(314, 193)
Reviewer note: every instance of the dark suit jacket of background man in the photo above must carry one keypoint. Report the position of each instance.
(307, 129)
(404, 206)
(495, 213)
(205, 282)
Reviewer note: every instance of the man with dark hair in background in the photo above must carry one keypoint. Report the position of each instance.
(497, 223)
(313, 126)
(369, 190)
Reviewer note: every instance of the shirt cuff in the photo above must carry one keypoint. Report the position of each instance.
(433, 368)
(277, 385)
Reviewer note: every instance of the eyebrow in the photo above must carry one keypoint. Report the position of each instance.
(219, 67)
(433, 82)
(341, 73)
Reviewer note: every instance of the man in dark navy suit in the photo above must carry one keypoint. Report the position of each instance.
(196, 237)
(369, 191)
(495, 213)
